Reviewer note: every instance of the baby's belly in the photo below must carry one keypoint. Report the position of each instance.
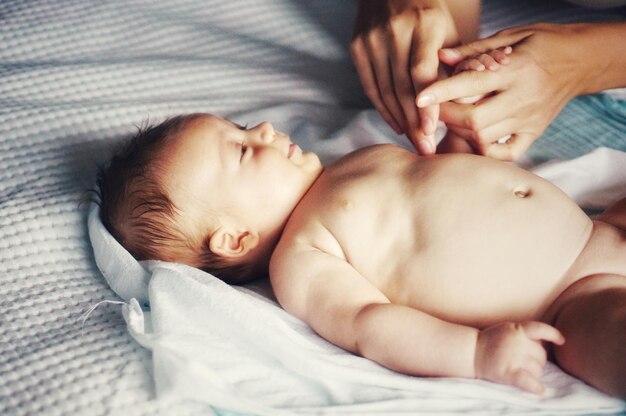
(492, 247)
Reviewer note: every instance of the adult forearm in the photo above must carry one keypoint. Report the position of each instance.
(602, 50)
(466, 15)
(412, 342)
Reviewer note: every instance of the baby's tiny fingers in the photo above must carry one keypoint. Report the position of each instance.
(469, 64)
(538, 352)
(500, 56)
(489, 62)
(534, 367)
(526, 381)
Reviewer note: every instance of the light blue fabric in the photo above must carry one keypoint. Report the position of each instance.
(586, 122)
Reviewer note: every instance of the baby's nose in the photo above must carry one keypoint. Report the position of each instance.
(265, 132)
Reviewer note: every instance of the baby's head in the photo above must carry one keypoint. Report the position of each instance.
(200, 190)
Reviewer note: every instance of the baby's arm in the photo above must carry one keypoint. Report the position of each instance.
(346, 309)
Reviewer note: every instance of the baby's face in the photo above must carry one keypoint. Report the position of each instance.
(255, 177)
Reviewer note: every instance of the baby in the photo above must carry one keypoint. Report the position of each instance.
(449, 265)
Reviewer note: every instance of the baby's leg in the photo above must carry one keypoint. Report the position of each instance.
(615, 214)
(593, 322)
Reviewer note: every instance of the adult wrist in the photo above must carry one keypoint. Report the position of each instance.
(602, 62)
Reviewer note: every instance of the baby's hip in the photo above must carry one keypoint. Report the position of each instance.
(600, 266)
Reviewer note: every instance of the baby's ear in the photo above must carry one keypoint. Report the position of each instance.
(232, 243)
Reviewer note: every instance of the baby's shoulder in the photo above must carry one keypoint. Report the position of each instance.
(307, 231)
(306, 247)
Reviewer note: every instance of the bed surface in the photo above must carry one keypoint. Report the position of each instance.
(76, 76)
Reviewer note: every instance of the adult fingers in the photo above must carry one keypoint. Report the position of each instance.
(453, 143)
(505, 147)
(487, 112)
(425, 136)
(400, 42)
(464, 84)
(369, 82)
(378, 53)
(461, 132)
(497, 134)
(452, 56)
(539, 331)
(510, 150)
(428, 37)
(492, 141)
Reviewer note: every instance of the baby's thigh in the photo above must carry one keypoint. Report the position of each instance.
(592, 318)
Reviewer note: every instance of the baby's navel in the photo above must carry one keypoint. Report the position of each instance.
(522, 191)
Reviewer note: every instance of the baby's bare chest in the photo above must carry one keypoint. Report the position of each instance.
(450, 241)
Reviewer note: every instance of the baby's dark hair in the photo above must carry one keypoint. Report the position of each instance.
(136, 209)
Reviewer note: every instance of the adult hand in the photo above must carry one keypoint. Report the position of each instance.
(513, 354)
(394, 48)
(547, 69)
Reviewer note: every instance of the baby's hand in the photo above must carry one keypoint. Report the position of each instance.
(454, 141)
(490, 60)
(511, 353)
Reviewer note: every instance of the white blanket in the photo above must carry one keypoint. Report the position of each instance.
(235, 348)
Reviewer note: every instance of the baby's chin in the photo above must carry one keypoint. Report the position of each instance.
(311, 162)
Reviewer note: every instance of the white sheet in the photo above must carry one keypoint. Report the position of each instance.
(235, 349)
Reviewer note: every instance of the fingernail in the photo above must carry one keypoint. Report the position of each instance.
(508, 49)
(425, 100)
(425, 147)
(427, 125)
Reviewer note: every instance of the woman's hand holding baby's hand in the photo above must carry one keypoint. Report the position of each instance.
(394, 48)
(511, 353)
(545, 72)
